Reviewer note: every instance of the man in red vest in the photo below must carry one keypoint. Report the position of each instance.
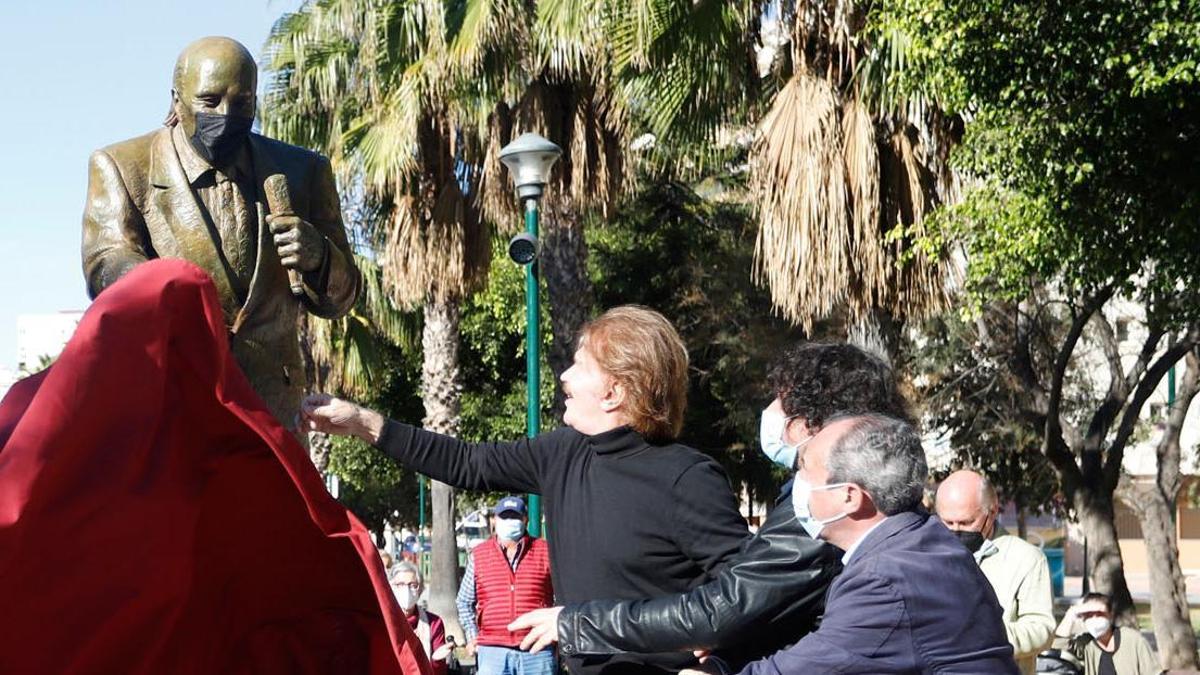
(506, 576)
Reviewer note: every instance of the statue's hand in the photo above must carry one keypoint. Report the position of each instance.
(300, 245)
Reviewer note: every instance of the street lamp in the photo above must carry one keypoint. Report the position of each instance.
(529, 160)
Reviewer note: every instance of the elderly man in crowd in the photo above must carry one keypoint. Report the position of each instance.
(1087, 630)
(910, 599)
(1017, 570)
(408, 585)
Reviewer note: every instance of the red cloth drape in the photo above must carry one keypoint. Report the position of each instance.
(156, 519)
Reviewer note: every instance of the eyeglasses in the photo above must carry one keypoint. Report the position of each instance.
(412, 585)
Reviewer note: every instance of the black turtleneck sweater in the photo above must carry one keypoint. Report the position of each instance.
(625, 519)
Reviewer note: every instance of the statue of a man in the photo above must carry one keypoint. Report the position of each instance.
(260, 216)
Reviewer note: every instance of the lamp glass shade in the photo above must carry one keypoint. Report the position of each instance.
(530, 159)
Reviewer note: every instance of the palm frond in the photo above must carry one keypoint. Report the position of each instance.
(861, 152)
(347, 352)
(440, 258)
(798, 182)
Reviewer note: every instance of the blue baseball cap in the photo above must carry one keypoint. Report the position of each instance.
(510, 503)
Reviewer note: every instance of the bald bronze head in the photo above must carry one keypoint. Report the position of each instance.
(213, 97)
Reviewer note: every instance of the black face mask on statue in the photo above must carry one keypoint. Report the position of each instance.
(217, 137)
(972, 540)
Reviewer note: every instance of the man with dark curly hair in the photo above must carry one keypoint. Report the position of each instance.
(816, 381)
(772, 593)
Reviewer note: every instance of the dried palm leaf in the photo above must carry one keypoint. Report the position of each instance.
(870, 262)
(798, 181)
(438, 254)
(916, 285)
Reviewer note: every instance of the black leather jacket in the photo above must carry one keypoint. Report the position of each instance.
(768, 596)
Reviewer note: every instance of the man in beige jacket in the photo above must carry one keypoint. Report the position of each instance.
(1017, 570)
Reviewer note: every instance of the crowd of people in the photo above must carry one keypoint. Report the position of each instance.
(654, 569)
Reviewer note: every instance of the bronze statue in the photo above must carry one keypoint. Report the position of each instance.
(261, 217)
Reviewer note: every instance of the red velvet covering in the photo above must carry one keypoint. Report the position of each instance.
(155, 518)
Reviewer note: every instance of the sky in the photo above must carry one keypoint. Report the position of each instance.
(78, 75)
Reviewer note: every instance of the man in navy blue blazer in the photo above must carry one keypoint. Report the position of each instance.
(911, 598)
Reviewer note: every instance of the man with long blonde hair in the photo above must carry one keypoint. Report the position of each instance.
(629, 512)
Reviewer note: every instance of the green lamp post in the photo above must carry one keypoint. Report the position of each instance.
(529, 159)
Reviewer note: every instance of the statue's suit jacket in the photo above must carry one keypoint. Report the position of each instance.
(140, 206)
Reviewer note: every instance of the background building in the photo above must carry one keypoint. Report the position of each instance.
(41, 337)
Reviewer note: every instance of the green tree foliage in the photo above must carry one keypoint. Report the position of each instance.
(969, 395)
(493, 356)
(1079, 160)
(1084, 135)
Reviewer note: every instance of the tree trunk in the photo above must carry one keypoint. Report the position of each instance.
(440, 392)
(564, 267)
(1155, 504)
(877, 332)
(1094, 509)
(1168, 606)
(1022, 524)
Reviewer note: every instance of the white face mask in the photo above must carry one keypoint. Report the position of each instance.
(510, 529)
(1097, 626)
(770, 437)
(801, 493)
(406, 596)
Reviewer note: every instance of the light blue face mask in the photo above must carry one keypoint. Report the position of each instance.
(801, 492)
(510, 529)
(770, 438)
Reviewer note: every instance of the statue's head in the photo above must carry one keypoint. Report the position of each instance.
(213, 97)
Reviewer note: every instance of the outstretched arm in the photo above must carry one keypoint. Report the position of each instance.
(779, 578)
(516, 466)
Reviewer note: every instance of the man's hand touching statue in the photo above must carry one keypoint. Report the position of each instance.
(329, 415)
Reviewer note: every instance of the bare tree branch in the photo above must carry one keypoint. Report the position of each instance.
(1112, 354)
(1118, 392)
(1052, 438)
(1022, 360)
(1149, 347)
(1168, 450)
(1129, 418)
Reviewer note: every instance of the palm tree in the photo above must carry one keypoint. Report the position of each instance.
(353, 79)
(842, 168)
(543, 66)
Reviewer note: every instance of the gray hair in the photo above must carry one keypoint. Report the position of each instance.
(883, 456)
(405, 566)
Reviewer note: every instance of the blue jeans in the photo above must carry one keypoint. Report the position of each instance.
(506, 661)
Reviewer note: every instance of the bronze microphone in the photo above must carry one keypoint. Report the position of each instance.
(280, 203)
